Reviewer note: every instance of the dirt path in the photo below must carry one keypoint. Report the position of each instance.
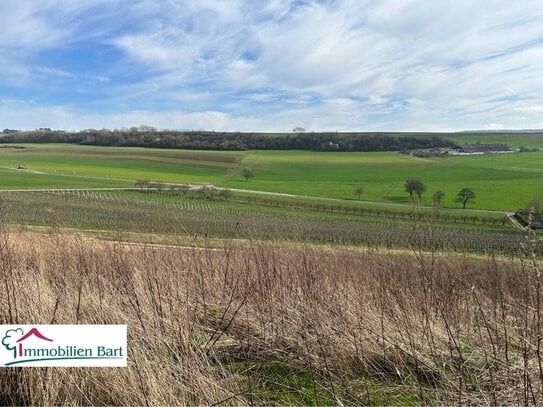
(243, 190)
(386, 191)
(515, 222)
(74, 175)
(252, 191)
(257, 192)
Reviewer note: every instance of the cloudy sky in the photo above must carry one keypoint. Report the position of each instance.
(272, 65)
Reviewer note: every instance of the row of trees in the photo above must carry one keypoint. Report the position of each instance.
(415, 188)
(210, 140)
(206, 191)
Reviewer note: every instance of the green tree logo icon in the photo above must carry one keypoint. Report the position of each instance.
(10, 340)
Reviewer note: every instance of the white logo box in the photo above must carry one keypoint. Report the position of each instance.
(63, 345)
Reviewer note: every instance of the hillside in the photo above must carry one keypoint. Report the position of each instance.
(278, 324)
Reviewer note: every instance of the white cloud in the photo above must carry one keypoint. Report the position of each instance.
(530, 109)
(33, 27)
(345, 64)
(21, 115)
(494, 126)
(455, 58)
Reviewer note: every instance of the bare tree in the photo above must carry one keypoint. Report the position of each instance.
(142, 183)
(184, 189)
(414, 186)
(159, 186)
(437, 199)
(358, 192)
(535, 205)
(208, 192)
(226, 194)
(464, 196)
(247, 173)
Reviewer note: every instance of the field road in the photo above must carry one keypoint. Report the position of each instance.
(322, 198)
(250, 191)
(253, 191)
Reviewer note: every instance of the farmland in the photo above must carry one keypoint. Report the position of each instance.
(504, 182)
(264, 220)
(312, 190)
(287, 290)
(108, 164)
(271, 203)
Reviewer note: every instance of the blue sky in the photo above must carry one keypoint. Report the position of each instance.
(367, 65)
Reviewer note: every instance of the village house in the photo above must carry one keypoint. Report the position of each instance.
(479, 148)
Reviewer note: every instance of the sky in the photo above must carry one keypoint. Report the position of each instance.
(324, 65)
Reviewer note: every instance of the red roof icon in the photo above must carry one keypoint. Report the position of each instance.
(36, 333)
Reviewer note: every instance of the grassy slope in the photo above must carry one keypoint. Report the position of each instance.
(114, 162)
(504, 181)
(11, 179)
(278, 324)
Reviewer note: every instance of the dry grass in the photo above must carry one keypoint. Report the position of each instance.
(277, 324)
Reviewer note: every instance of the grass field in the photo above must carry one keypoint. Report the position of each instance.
(124, 163)
(504, 181)
(501, 182)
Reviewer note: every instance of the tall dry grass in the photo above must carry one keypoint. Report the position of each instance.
(428, 328)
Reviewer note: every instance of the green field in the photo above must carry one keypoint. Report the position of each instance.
(110, 163)
(502, 181)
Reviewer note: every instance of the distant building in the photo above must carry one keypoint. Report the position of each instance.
(479, 148)
(536, 222)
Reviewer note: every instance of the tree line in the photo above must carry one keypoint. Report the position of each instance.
(145, 136)
(206, 191)
(415, 188)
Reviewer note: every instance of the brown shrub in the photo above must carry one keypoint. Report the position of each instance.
(439, 327)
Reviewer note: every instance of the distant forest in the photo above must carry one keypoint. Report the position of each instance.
(210, 140)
